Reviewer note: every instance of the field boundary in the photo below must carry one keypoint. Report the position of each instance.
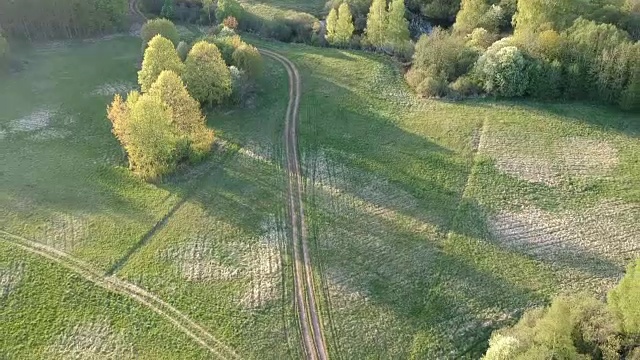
(116, 285)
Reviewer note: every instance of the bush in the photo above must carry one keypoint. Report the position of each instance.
(226, 45)
(480, 39)
(206, 74)
(248, 59)
(183, 49)
(624, 301)
(463, 87)
(241, 85)
(441, 53)
(230, 22)
(160, 55)
(227, 8)
(503, 71)
(545, 79)
(162, 27)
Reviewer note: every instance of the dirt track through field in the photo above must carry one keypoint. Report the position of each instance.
(112, 283)
(310, 324)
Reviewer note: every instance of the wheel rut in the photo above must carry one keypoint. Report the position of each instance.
(310, 324)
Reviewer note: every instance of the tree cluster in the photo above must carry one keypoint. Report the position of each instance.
(387, 27)
(48, 19)
(577, 327)
(554, 53)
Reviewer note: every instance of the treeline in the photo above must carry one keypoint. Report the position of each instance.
(557, 50)
(48, 19)
(577, 327)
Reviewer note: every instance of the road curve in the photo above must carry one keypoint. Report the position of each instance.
(114, 284)
(310, 325)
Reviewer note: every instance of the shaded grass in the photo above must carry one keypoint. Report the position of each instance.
(31, 323)
(271, 9)
(401, 206)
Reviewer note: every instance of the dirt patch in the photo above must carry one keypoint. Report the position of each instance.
(535, 161)
(10, 277)
(96, 340)
(608, 231)
(111, 89)
(37, 120)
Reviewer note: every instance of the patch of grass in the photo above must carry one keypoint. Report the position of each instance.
(273, 8)
(96, 323)
(402, 206)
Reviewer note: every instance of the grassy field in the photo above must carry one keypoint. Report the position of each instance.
(436, 222)
(208, 240)
(272, 8)
(432, 223)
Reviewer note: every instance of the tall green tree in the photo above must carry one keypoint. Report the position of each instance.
(332, 22)
(207, 77)
(377, 20)
(162, 27)
(344, 27)
(228, 8)
(160, 55)
(470, 16)
(540, 15)
(167, 9)
(207, 7)
(624, 300)
(398, 26)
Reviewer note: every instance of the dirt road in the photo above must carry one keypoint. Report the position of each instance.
(310, 324)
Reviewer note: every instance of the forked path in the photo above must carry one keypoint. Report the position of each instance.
(310, 324)
(114, 284)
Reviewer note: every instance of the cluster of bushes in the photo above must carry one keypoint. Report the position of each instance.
(577, 327)
(162, 126)
(47, 19)
(552, 54)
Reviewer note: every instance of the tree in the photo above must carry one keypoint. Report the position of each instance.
(540, 15)
(167, 9)
(332, 22)
(206, 74)
(344, 27)
(229, 8)
(398, 26)
(248, 59)
(159, 56)
(624, 300)
(470, 16)
(230, 23)
(162, 27)
(377, 23)
(185, 113)
(502, 70)
(207, 7)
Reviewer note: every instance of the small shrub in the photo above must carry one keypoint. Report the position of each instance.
(248, 58)
(162, 27)
(230, 22)
(463, 87)
(160, 55)
(241, 85)
(206, 74)
(183, 49)
(432, 85)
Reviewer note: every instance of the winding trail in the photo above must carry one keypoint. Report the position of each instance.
(114, 284)
(310, 325)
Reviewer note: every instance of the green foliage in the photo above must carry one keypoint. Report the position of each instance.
(477, 14)
(571, 328)
(185, 113)
(183, 49)
(624, 301)
(397, 32)
(437, 9)
(503, 71)
(167, 9)
(226, 45)
(480, 39)
(162, 27)
(344, 26)
(377, 21)
(332, 22)
(47, 19)
(248, 59)
(160, 55)
(208, 6)
(540, 15)
(439, 58)
(545, 79)
(206, 74)
(228, 8)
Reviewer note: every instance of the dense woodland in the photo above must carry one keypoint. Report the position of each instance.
(48, 19)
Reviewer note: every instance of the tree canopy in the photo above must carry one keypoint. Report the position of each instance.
(206, 74)
(160, 55)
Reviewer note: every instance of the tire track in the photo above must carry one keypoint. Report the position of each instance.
(114, 284)
(310, 324)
